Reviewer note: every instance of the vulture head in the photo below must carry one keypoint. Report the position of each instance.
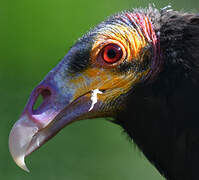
(138, 67)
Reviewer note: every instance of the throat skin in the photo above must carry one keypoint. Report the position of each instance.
(162, 116)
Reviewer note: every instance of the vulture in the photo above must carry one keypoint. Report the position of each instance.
(139, 69)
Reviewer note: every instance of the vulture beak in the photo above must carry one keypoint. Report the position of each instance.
(66, 98)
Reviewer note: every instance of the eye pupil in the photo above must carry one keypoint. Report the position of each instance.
(112, 53)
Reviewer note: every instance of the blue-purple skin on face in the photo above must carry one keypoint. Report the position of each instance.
(67, 89)
(35, 126)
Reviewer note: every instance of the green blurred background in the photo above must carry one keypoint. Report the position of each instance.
(34, 36)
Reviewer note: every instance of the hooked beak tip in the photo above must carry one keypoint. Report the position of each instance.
(18, 158)
(21, 163)
(19, 140)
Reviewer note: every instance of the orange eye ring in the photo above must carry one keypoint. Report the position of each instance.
(108, 54)
(111, 53)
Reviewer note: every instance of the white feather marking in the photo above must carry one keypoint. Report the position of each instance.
(94, 97)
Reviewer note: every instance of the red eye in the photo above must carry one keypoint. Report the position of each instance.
(112, 53)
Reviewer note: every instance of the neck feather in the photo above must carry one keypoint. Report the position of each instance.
(162, 116)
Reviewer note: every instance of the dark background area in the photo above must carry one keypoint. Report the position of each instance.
(34, 36)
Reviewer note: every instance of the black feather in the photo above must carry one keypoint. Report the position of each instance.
(163, 117)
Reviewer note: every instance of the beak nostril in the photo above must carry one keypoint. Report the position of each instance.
(41, 99)
(45, 93)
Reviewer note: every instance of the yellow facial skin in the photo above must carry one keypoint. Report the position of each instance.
(104, 77)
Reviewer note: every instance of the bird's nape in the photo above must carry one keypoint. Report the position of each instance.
(139, 67)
